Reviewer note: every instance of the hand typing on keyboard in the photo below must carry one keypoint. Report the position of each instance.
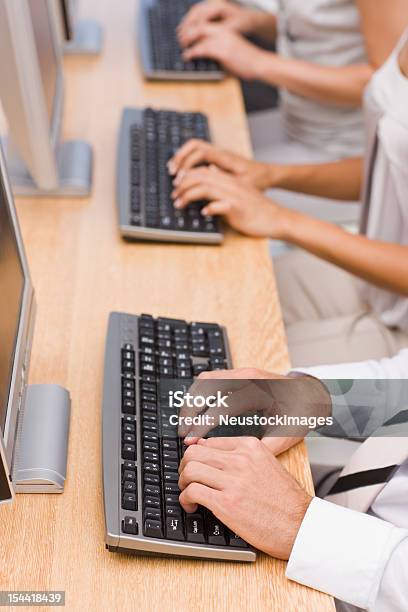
(233, 51)
(245, 208)
(249, 391)
(242, 483)
(236, 18)
(199, 152)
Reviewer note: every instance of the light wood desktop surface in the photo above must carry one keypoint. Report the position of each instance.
(82, 270)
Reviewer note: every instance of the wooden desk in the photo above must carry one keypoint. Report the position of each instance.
(82, 270)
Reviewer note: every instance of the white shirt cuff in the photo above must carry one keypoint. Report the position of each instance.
(342, 552)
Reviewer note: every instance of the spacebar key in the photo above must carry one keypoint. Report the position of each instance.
(152, 529)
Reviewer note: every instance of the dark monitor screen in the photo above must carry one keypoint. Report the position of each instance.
(4, 486)
(11, 294)
(46, 50)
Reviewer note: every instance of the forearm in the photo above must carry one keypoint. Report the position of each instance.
(340, 86)
(340, 180)
(383, 264)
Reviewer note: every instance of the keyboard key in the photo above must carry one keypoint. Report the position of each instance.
(195, 528)
(151, 468)
(171, 488)
(129, 486)
(129, 525)
(151, 478)
(128, 407)
(174, 528)
(168, 454)
(150, 446)
(153, 529)
(129, 428)
(129, 501)
(129, 452)
(216, 531)
(129, 438)
(152, 502)
(150, 489)
(170, 445)
(152, 513)
(200, 367)
(171, 500)
(129, 475)
(235, 540)
(149, 456)
(174, 511)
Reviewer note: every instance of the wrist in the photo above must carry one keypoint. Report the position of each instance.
(278, 176)
(295, 514)
(287, 224)
(263, 65)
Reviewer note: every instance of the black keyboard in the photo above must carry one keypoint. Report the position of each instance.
(161, 52)
(148, 139)
(145, 358)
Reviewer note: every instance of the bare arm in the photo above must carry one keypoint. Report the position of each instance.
(340, 180)
(340, 86)
(382, 27)
(381, 263)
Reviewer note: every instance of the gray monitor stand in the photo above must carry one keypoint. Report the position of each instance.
(74, 160)
(87, 39)
(40, 460)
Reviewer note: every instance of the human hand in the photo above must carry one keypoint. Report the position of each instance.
(198, 152)
(244, 207)
(241, 394)
(236, 54)
(230, 15)
(244, 485)
(256, 390)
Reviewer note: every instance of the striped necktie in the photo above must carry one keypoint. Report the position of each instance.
(372, 465)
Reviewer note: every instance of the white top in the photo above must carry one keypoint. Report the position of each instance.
(326, 32)
(385, 216)
(358, 558)
(269, 6)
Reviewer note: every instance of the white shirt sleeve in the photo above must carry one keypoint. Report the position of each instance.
(355, 557)
(393, 368)
(268, 6)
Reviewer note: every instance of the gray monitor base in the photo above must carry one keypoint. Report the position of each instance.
(74, 161)
(40, 462)
(87, 39)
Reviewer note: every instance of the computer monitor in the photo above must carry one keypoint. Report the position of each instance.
(21, 418)
(31, 92)
(78, 36)
(17, 311)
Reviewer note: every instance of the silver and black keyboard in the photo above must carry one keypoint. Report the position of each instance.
(160, 50)
(148, 139)
(145, 357)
